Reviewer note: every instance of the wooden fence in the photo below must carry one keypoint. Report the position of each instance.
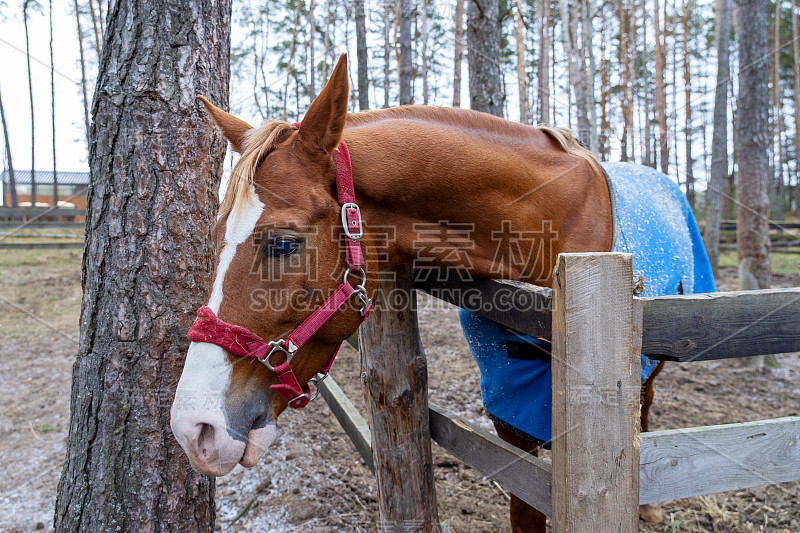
(15, 219)
(600, 474)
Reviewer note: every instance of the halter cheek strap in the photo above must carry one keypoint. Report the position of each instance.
(242, 342)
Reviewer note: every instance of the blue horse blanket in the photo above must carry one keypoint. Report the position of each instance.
(654, 223)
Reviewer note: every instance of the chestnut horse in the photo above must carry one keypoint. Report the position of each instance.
(279, 227)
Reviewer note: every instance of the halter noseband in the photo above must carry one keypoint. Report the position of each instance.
(242, 342)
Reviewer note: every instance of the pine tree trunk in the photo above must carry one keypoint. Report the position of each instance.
(12, 182)
(796, 94)
(776, 144)
(290, 62)
(25, 6)
(590, 68)
(484, 55)
(312, 30)
(361, 53)
(405, 60)
(522, 75)
(687, 84)
(649, 159)
(625, 79)
(661, 90)
(577, 75)
(632, 75)
(53, 106)
(424, 54)
(83, 73)
(718, 182)
(155, 162)
(458, 50)
(752, 139)
(387, 52)
(97, 45)
(605, 126)
(543, 76)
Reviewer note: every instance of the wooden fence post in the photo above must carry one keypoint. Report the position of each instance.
(395, 376)
(596, 381)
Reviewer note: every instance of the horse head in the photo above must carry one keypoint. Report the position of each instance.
(279, 258)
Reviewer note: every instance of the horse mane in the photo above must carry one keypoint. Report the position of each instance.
(567, 142)
(258, 143)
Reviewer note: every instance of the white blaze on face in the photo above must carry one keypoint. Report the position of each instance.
(200, 395)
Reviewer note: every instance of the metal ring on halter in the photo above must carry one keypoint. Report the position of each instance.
(363, 277)
(316, 380)
(277, 346)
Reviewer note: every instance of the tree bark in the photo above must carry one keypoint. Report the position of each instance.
(776, 144)
(97, 41)
(361, 55)
(155, 161)
(387, 52)
(483, 55)
(687, 84)
(405, 60)
(752, 138)
(543, 76)
(12, 182)
(590, 69)
(458, 50)
(53, 106)
(522, 74)
(25, 6)
(718, 182)
(312, 30)
(625, 79)
(661, 90)
(577, 74)
(83, 73)
(796, 94)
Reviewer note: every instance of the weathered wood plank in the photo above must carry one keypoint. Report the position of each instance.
(32, 212)
(515, 304)
(679, 463)
(350, 419)
(395, 376)
(596, 382)
(698, 327)
(40, 224)
(39, 245)
(521, 473)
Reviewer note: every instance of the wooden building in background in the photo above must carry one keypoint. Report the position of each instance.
(72, 187)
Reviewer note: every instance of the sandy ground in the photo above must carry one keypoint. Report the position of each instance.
(313, 479)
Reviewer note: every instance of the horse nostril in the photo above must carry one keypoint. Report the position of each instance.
(205, 440)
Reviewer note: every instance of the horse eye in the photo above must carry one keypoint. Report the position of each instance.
(281, 246)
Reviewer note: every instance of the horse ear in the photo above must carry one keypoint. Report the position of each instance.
(322, 126)
(233, 129)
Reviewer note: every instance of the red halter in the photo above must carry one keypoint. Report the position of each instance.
(242, 342)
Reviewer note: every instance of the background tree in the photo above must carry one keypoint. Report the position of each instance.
(458, 49)
(484, 56)
(12, 182)
(752, 140)
(155, 162)
(405, 60)
(361, 47)
(53, 104)
(718, 182)
(27, 6)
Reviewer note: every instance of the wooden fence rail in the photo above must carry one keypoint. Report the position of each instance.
(34, 212)
(595, 397)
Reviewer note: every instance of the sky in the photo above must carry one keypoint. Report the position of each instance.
(71, 153)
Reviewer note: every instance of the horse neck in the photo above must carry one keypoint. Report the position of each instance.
(470, 191)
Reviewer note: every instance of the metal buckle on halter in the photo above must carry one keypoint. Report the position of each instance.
(360, 291)
(278, 346)
(357, 234)
(316, 380)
